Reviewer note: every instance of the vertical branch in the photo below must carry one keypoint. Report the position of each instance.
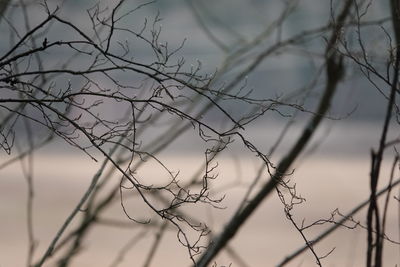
(28, 173)
(374, 246)
(30, 198)
(386, 206)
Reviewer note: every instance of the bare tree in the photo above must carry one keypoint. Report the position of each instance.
(110, 86)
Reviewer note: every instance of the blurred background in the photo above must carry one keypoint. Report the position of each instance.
(331, 174)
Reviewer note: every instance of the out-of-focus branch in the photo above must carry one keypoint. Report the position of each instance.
(334, 72)
(84, 198)
(206, 29)
(3, 7)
